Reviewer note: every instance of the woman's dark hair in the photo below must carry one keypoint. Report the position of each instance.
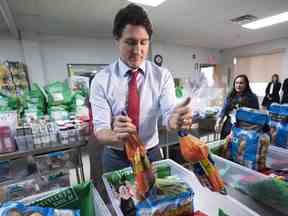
(133, 15)
(246, 91)
(277, 77)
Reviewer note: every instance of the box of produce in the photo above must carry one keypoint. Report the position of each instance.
(273, 182)
(190, 195)
(172, 195)
(81, 196)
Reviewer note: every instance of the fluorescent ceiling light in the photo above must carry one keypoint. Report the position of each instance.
(268, 21)
(153, 3)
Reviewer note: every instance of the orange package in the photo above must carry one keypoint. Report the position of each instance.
(197, 152)
(142, 168)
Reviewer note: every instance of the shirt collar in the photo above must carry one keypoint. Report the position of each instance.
(123, 68)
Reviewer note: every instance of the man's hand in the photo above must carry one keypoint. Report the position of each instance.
(181, 118)
(122, 126)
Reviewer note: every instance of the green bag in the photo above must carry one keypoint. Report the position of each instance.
(15, 103)
(4, 103)
(77, 101)
(58, 112)
(76, 197)
(35, 97)
(58, 93)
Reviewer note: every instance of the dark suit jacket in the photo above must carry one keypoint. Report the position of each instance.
(275, 97)
(285, 92)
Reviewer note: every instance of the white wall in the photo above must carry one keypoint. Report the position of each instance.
(47, 56)
(259, 48)
(178, 59)
(59, 51)
(33, 58)
(10, 49)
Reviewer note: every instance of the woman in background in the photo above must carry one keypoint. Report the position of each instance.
(240, 96)
(272, 92)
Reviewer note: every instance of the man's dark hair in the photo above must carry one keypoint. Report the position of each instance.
(133, 15)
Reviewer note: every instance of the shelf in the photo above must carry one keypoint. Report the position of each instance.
(21, 154)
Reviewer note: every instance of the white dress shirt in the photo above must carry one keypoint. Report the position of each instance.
(109, 93)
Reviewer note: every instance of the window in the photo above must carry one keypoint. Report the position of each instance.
(259, 70)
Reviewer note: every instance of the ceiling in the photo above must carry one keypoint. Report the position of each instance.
(198, 23)
(3, 26)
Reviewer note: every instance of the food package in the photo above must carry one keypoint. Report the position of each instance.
(58, 113)
(79, 196)
(279, 124)
(173, 196)
(56, 160)
(34, 184)
(54, 180)
(197, 152)
(18, 208)
(249, 140)
(35, 102)
(3, 102)
(141, 165)
(58, 93)
(7, 142)
(19, 190)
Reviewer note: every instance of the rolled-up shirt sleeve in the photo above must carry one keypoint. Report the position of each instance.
(101, 110)
(167, 97)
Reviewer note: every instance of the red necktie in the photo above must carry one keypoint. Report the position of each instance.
(133, 99)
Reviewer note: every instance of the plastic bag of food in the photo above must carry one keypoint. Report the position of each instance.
(197, 152)
(78, 105)
(35, 97)
(4, 103)
(142, 168)
(58, 93)
(15, 103)
(58, 112)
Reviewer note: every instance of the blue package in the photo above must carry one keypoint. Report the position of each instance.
(279, 108)
(249, 141)
(279, 124)
(249, 147)
(17, 208)
(252, 116)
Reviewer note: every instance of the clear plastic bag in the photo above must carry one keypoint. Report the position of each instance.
(201, 91)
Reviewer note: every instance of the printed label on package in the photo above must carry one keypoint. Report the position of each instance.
(59, 200)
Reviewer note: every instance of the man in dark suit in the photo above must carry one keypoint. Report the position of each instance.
(285, 92)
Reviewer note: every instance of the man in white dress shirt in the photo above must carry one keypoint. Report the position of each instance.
(109, 93)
